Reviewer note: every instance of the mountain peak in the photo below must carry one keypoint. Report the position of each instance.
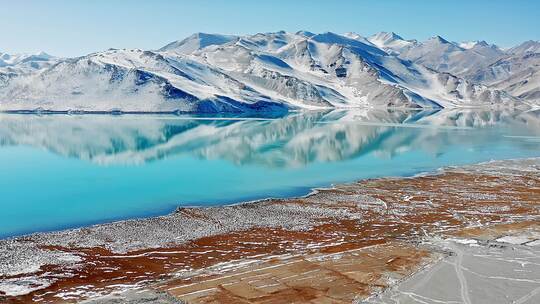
(530, 46)
(352, 35)
(438, 39)
(474, 44)
(391, 42)
(42, 55)
(359, 43)
(387, 36)
(262, 72)
(4, 56)
(202, 35)
(197, 41)
(305, 33)
(482, 43)
(12, 59)
(329, 37)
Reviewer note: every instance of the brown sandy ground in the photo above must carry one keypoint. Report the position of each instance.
(333, 246)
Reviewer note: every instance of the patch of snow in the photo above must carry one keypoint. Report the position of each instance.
(22, 286)
(515, 239)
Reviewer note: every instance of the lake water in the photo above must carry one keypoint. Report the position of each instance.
(60, 171)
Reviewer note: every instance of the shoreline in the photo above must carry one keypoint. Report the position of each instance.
(311, 191)
(395, 213)
(526, 106)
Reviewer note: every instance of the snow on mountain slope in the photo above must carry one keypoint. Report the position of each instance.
(525, 85)
(344, 71)
(262, 72)
(391, 42)
(25, 63)
(444, 56)
(270, 42)
(4, 78)
(304, 72)
(131, 80)
(7, 59)
(429, 88)
(430, 51)
(514, 70)
(530, 46)
(197, 41)
(489, 51)
(517, 71)
(468, 44)
(518, 74)
(355, 36)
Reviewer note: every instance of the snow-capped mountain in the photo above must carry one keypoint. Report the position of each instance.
(263, 72)
(517, 74)
(514, 70)
(132, 80)
(197, 41)
(526, 47)
(25, 63)
(391, 42)
(442, 55)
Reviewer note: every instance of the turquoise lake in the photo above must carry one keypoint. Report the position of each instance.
(62, 171)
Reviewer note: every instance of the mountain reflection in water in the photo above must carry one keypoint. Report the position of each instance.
(293, 140)
(62, 171)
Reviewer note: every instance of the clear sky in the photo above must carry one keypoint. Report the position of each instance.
(78, 27)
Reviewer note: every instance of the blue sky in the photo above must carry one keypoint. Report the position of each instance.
(77, 27)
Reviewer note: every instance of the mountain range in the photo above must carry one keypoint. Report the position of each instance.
(276, 72)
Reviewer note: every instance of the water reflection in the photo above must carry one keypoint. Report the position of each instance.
(63, 171)
(294, 140)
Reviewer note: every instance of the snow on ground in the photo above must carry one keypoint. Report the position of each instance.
(482, 273)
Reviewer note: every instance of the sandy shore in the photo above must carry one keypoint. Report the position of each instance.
(336, 245)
